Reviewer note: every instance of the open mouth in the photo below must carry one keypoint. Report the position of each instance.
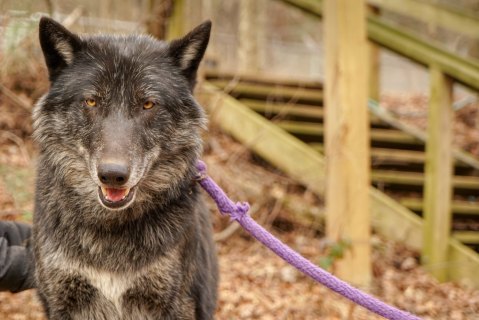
(114, 198)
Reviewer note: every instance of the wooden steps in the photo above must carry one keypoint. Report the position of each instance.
(397, 151)
(306, 165)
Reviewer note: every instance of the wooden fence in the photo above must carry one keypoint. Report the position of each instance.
(438, 248)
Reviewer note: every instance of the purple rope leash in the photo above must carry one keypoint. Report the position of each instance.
(238, 212)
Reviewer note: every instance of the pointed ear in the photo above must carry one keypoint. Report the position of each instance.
(188, 51)
(58, 44)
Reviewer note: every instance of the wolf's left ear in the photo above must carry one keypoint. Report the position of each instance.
(58, 45)
(188, 51)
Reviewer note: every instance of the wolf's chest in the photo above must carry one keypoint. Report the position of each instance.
(111, 285)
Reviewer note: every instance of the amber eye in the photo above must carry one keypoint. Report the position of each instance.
(148, 104)
(90, 102)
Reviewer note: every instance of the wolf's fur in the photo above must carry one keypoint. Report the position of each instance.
(154, 257)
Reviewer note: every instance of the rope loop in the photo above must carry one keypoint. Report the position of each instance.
(201, 167)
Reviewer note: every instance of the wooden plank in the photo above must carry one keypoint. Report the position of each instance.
(468, 237)
(347, 136)
(396, 155)
(462, 263)
(389, 218)
(395, 221)
(393, 177)
(433, 15)
(438, 174)
(465, 182)
(386, 155)
(301, 110)
(269, 91)
(457, 206)
(317, 129)
(262, 78)
(295, 109)
(418, 179)
(393, 136)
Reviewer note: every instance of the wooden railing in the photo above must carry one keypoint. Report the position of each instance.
(445, 69)
(465, 71)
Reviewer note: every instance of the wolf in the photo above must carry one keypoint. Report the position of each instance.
(120, 229)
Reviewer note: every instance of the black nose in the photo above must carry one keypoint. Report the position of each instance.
(113, 174)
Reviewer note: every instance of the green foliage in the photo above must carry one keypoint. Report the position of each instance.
(334, 252)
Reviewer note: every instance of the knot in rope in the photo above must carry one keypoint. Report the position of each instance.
(241, 209)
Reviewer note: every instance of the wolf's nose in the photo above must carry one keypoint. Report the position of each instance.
(113, 174)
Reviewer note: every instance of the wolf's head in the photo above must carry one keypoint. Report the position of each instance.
(120, 123)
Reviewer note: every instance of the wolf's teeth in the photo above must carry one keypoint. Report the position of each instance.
(114, 194)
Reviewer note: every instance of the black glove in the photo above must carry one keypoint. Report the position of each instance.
(16, 259)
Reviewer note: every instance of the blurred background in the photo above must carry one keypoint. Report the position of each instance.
(269, 56)
(289, 41)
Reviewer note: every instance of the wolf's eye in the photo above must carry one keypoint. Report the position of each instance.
(148, 104)
(90, 102)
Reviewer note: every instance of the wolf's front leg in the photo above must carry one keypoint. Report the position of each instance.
(70, 296)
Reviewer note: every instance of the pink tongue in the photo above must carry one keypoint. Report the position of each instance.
(115, 195)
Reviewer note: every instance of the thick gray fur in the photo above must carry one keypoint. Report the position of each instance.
(154, 258)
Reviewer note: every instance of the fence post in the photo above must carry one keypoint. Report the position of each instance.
(249, 28)
(439, 172)
(176, 23)
(347, 136)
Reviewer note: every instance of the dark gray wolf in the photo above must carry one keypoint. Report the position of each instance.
(120, 230)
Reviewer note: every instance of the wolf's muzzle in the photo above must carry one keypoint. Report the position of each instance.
(113, 192)
(113, 174)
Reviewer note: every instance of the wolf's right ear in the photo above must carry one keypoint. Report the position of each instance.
(58, 45)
